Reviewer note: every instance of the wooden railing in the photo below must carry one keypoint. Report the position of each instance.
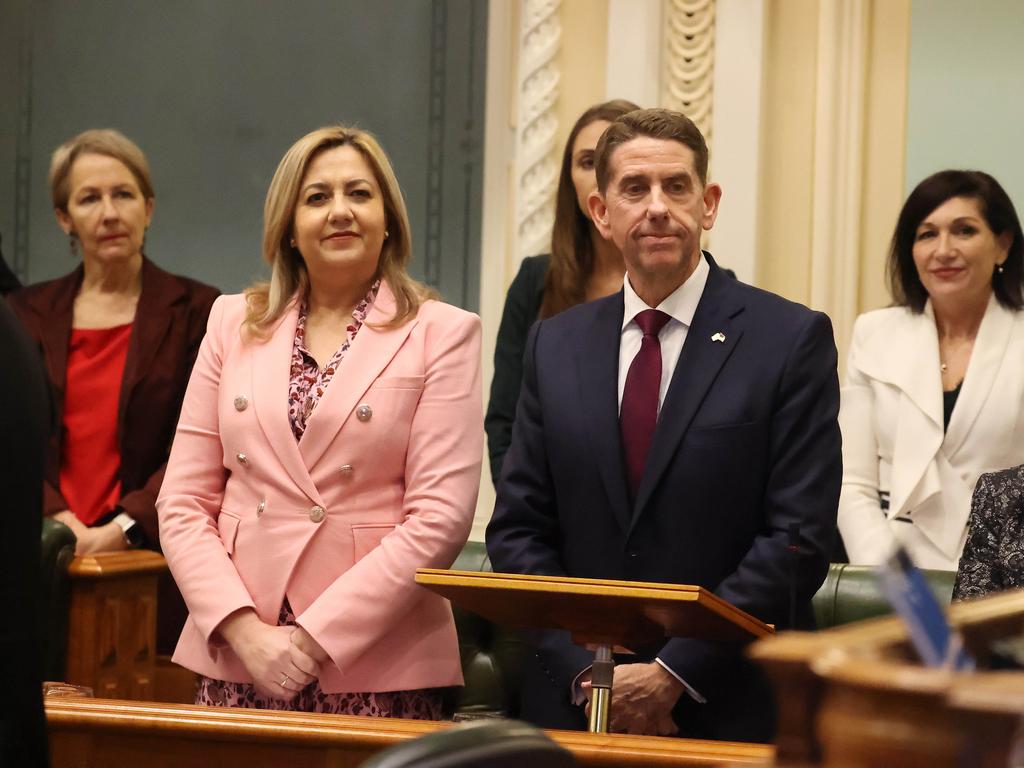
(88, 733)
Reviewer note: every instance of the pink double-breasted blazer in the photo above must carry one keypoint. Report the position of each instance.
(384, 481)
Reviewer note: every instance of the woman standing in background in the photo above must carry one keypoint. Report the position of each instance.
(935, 384)
(582, 266)
(119, 336)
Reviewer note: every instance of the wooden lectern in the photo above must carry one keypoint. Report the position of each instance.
(598, 613)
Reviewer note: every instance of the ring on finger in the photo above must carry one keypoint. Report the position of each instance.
(284, 680)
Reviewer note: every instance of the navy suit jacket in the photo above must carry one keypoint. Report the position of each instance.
(746, 454)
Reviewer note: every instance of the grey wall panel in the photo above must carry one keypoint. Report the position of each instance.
(214, 91)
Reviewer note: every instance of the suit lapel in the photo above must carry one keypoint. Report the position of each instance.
(371, 351)
(699, 363)
(55, 330)
(982, 371)
(152, 321)
(911, 365)
(271, 374)
(598, 362)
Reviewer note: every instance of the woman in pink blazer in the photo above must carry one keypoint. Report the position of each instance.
(329, 445)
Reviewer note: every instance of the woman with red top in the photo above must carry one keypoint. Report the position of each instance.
(119, 336)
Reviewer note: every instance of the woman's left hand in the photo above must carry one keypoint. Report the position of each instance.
(104, 538)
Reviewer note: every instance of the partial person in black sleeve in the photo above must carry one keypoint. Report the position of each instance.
(24, 426)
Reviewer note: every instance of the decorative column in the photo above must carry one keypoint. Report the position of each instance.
(843, 52)
(687, 81)
(536, 126)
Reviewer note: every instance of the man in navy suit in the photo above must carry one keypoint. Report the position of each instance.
(684, 431)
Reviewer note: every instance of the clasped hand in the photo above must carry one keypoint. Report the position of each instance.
(282, 660)
(643, 696)
(102, 538)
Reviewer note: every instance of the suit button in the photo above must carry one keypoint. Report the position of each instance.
(241, 403)
(260, 507)
(345, 469)
(317, 514)
(364, 412)
(242, 459)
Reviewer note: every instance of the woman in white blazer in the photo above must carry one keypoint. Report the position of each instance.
(935, 383)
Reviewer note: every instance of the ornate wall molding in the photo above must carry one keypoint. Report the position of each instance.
(688, 60)
(536, 126)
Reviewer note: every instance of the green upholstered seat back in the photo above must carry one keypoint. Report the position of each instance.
(491, 655)
(851, 593)
(58, 548)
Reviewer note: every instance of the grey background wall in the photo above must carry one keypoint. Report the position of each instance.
(965, 98)
(214, 91)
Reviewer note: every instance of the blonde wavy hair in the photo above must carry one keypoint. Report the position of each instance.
(267, 301)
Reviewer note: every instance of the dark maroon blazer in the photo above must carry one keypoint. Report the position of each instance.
(170, 322)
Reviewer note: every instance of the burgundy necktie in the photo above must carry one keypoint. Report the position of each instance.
(639, 413)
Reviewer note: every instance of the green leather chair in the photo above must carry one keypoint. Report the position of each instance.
(851, 593)
(490, 743)
(58, 549)
(492, 656)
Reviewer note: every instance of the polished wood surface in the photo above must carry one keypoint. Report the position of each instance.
(595, 611)
(112, 623)
(88, 733)
(855, 696)
(111, 565)
(174, 684)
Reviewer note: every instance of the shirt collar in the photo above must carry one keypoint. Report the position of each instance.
(680, 305)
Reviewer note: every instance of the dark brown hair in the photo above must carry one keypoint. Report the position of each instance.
(997, 210)
(656, 124)
(572, 250)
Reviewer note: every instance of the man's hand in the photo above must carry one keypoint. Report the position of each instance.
(268, 654)
(103, 538)
(643, 696)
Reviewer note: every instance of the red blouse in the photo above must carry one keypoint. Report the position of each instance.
(90, 457)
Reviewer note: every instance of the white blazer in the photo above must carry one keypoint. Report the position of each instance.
(893, 441)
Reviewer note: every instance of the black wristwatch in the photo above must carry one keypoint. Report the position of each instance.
(130, 528)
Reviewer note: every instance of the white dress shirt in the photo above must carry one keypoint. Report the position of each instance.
(679, 306)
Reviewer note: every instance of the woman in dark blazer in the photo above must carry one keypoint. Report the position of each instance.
(582, 266)
(993, 558)
(119, 336)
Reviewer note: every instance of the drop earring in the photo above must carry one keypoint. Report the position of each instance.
(73, 245)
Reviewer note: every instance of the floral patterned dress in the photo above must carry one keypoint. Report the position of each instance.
(307, 385)
(993, 558)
